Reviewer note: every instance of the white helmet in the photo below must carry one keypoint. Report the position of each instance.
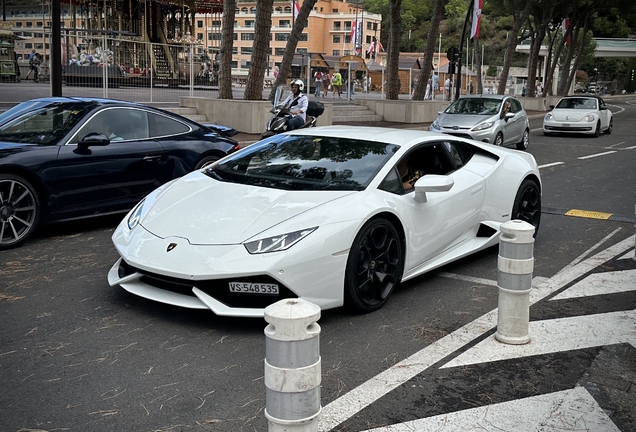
(299, 83)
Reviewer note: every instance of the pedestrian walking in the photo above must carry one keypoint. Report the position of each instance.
(326, 84)
(429, 84)
(447, 89)
(336, 84)
(33, 66)
(435, 85)
(318, 83)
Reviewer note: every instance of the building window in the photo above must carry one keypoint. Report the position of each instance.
(334, 10)
(235, 24)
(215, 36)
(347, 38)
(347, 25)
(18, 24)
(247, 36)
(278, 9)
(368, 39)
(244, 10)
(199, 36)
(336, 52)
(301, 50)
(38, 46)
(253, 10)
(245, 64)
(369, 25)
(247, 50)
(287, 9)
(279, 51)
(336, 25)
(199, 50)
(336, 38)
(234, 51)
(284, 23)
(346, 52)
(234, 64)
(199, 24)
(29, 24)
(28, 45)
(38, 24)
(281, 37)
(38, 35)
(216, 23)
(249, 23)
(304, 37)
(27, 34)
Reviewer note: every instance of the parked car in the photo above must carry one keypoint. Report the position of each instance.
(580, 115)
(66, 158)
(322, 214)
(495, 119)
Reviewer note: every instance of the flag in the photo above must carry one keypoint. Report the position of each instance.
(474, 31)
(371, 47)
(564, 28)
(379, 45)
(295, 9)
(353, 32)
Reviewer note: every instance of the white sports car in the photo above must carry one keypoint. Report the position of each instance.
(579, 114)
(326, 214)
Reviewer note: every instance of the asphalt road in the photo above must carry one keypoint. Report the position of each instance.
(79, 355)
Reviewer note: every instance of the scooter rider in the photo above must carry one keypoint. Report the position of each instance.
(297, 103)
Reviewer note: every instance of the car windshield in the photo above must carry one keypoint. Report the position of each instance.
(475, 106)
(305, 163)
(577, 103)
(37, 123)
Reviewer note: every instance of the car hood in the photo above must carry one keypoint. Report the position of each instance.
(206, 211)
(575, 115)
(463, 120)
(4, 145)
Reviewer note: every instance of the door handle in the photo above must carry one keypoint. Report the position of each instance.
(151, 158)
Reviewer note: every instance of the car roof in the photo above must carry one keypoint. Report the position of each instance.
(401, 137)
(100, 101)
(598, 98)
(488, 96)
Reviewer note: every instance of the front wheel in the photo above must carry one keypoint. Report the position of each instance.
(374, 267)
(19, 210)
(527, 205)
(610, 127)
(597, 131)
(525, 140)
(499, 139)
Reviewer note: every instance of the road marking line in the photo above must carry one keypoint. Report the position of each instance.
(588, 214)
(614, 145)
(597, 154)
(480, 281)
(630, 148)
(354, 401)
(590, 250)
(536, 129)
(574, 409)
(550, 164)
(556, 335)
(628, 255)
(617, 106)
(600, 284)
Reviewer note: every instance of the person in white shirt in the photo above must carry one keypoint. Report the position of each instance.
(298, 104)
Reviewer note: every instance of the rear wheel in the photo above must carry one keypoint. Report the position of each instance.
(374, 267)
(525, 140)
(206, 161)
(527, 205)
(499, 139)
(610, 127)
(19, 210)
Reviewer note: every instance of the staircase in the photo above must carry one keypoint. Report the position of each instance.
(345, 114)
(162, 65)
(187, 112)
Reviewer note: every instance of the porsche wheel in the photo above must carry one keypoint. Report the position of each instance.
(19, 210)
(208, 160)
(609, 128)
(499, 141)
(527, 206)
(374, 266)
(597, 131)
(525, 139)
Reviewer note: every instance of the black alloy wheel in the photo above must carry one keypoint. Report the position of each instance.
(374, 266)
(19, 210)
(527, 205)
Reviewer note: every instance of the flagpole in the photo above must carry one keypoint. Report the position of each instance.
(481, 80)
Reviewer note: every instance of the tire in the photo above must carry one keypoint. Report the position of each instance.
(19, 210)
(374, 267)
(608, 131)
(525, 140)
(597, 132)
(499, 140)
(527, 205)
(207, 160)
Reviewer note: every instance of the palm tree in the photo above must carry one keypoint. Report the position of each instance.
(258, 62)
(429, 51)
(290, 49)
(227, 42)
(393, 50)
(520, 16)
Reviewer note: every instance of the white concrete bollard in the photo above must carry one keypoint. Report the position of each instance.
(514, 279)
(292, 366)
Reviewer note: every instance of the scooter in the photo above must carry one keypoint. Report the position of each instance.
(278, 123)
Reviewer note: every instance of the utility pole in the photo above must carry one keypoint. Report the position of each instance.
(56, 50)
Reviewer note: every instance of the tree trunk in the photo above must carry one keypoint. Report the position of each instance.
(577, 60)
(393, 51)
(290, 49)
(258, 60)
(534, 60)
(551, 62)
(227, 42)
(480, 83)
(512, 44)
(429, 51)
(562, 89)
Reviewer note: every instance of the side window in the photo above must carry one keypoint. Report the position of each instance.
(392, 183)
(117, 124)
(161, 126)
(459, 152)
(516, 106)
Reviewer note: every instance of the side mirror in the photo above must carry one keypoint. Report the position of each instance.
(603, 108)
(509, 116)
(431, 183)
(551, 107)
(439, 112)
(93, 139)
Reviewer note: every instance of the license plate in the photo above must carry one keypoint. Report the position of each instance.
(566, 124)
(253, 288)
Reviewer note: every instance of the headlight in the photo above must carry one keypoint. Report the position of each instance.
(135, 215)
(278, 243)
(590, 118)
(435, 124)
(548, 117)
(484, 125)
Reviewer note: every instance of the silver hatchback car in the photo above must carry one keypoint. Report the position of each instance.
(495, 119)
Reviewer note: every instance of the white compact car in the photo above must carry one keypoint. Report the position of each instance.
(334, 215)
(580, 115)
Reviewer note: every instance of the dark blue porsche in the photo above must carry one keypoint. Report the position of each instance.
(68, 158)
